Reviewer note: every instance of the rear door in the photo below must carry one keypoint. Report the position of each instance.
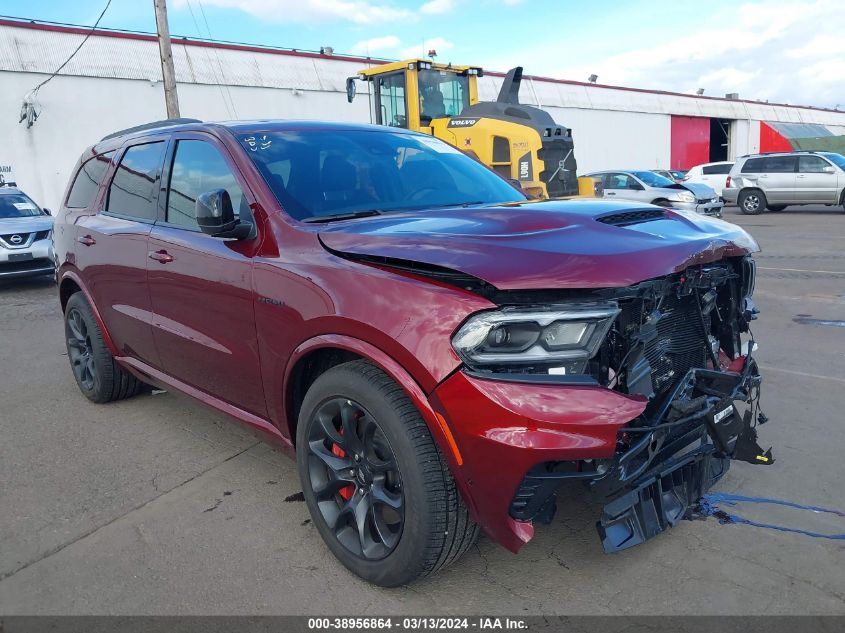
(111, 248)
(778, 178)
(812, 183)
(201, 286)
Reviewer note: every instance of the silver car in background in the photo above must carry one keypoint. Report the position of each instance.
(26, 236)
(646, 186)
(777, 180)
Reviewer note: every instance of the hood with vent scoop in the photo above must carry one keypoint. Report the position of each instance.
(554, 244)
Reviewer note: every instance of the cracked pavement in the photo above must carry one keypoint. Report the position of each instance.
(157, 505)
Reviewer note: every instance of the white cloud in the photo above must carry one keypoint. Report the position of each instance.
(781, 58)
(439, 44)
(304, 11)
(376, 45)
(512, 3)
(437, 7)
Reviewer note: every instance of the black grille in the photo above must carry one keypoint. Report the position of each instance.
(632, 217)
(680, 343)
(560, 180)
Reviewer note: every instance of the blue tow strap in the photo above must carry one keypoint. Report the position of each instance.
(708, 506)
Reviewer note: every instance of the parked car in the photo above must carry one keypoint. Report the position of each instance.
(26, 248)
(675, 175)
(646, 186)
(711, 174)
(775, 181)
(438, 351)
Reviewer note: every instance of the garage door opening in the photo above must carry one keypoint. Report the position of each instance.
(720, 139)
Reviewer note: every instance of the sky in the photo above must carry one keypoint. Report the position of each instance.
(787, 52)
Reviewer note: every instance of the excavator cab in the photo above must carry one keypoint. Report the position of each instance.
(519, 142)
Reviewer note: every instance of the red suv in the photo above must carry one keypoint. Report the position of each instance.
(439, 352)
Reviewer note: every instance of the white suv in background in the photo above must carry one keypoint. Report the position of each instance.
(777, 180)
(713, 174)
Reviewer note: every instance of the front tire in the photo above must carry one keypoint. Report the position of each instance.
(377, 488)
(97, 374)
(752, 202)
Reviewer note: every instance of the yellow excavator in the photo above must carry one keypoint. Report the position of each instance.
(521, 143)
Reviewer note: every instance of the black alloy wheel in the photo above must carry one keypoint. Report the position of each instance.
(355, 479)
(79, 349)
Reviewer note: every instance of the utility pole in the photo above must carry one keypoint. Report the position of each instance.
(171, 99)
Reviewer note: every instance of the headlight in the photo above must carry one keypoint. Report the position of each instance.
(685, 197)
(570, 334)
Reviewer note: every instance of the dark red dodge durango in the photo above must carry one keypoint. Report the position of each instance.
(440, 353)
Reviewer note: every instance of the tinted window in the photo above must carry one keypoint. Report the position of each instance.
(779, 164)
(718, 169)
(328, 172)
(198, 167)
(87, 181)
(17, 206)
(620, 181)
(653, 180)
(811, 164)
(133, 189)
(753, 166)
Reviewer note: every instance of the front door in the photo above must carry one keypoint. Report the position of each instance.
(813, 183)
(201, 286)
(623, 187)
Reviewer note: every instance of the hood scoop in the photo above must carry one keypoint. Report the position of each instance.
(632, 217)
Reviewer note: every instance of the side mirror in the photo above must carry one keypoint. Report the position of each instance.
(638, 187)
(47, 211)
(216, 217)
(351, 89)
(829, 170)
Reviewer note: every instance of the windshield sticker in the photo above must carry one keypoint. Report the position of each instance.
(437, 145)
(21, 206)
(257, 143)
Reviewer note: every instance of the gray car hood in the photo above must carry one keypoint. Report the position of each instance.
(25, 225)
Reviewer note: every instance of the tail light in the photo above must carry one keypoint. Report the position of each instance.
(728, 183)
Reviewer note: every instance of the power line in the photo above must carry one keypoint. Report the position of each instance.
(217, 81)
(81, 44)
(217, 55)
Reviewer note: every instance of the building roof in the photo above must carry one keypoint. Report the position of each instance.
(40, 47)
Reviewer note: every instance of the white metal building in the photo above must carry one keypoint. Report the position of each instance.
(114, 82)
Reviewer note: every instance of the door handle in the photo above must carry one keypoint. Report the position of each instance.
(609, 193)
(764, 175)
(802, 175)
(87, 240)
(162, 257)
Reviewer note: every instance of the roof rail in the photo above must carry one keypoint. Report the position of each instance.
(150, 126)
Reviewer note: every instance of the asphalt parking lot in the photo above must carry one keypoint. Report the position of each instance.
(156, 506)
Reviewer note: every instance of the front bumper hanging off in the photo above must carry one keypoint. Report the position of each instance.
(663, 468)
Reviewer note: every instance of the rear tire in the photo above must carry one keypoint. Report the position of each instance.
(385, 504)
(776, 207)
(752, 202)
(97, 374)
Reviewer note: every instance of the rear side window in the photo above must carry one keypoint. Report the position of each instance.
(87, 181)
(753, 166)
(779, 164)
(718, 169)
(198, 167)
(133, 189)
(811, 164)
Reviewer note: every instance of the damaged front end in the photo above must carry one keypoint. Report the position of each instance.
(684, 343)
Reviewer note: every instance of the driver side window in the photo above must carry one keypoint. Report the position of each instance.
(198, 167)
(620, 181)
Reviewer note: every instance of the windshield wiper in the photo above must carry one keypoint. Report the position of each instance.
(456, 204)
(343, 216)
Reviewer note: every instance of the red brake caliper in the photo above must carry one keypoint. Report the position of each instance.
(347, 491)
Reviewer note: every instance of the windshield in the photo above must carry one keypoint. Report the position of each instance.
(17, 206)
(320, 173)
(442, 93)
(836, 159)
(652, 179)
